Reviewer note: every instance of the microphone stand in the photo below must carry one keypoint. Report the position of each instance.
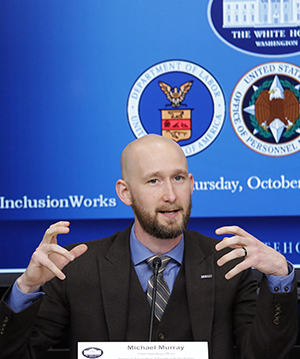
(156, 266)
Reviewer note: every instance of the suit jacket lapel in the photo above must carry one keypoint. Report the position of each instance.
(200, 286)
(114, 279)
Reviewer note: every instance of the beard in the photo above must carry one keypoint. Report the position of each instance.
(152, 226)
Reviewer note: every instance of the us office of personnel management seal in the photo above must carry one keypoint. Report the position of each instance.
(179, 100)
(264, 109)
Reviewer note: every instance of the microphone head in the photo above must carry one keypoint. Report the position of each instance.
(156, 262)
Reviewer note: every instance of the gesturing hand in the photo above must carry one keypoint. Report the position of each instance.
(259, 255)
(49, 259)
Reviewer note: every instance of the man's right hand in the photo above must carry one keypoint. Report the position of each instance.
(49, 259)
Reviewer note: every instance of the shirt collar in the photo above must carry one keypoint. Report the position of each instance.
(140, 253)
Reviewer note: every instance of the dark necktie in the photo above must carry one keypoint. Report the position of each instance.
(163, 293)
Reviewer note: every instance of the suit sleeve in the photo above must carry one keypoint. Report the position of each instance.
(267, 329)
(16, 329)
(29, 333)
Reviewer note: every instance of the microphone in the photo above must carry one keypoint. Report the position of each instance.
(156, 265)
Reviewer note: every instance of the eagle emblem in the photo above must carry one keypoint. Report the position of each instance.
(275, 110)
(174, 95)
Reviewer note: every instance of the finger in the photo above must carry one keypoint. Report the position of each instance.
(232, 242)
(235, 230)
(236, 253)
(58, 226)
(61, 227)
(47, 263)
(70, 256)
(237, 269)
(79, 250)
(47, 250)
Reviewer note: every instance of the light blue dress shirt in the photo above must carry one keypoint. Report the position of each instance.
(140, 253)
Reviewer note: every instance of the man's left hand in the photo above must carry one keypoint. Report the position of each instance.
(257, 254)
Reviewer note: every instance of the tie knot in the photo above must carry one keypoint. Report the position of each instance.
(164, 261)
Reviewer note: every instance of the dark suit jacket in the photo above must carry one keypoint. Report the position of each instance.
(92, 303)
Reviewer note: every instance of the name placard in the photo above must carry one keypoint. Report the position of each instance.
(143, 350)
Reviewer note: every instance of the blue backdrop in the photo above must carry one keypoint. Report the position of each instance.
(80, 80)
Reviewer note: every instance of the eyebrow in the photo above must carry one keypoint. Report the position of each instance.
(159, 173)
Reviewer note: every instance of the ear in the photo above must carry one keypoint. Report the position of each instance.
(123, 192)
(192, 182)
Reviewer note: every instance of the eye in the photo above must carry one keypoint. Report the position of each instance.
(178, 178)
(153, 181)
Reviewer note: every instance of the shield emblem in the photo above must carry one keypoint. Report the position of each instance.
(176, 124)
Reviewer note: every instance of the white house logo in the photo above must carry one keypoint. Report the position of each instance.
(264, 109)
(92, 353)
(179, 100)
(260, 27)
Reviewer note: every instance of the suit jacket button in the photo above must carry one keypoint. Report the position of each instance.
(3, 325)
(161, 336)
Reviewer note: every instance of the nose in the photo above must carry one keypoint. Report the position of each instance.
(169, 194)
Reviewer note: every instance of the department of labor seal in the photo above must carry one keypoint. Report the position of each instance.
(179, 100)
(264, 109)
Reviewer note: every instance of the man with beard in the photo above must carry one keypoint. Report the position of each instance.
(101, 296)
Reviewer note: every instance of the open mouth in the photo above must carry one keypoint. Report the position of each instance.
(169, 212)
